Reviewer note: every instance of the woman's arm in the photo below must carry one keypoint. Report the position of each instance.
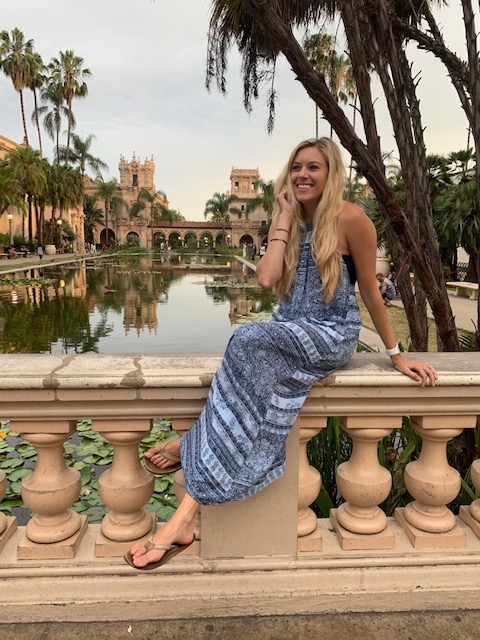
(361, 239)
(270, 268)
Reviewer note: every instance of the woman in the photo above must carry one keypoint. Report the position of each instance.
(237, 446)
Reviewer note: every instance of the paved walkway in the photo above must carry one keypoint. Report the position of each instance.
(24, 264)
(464, 310)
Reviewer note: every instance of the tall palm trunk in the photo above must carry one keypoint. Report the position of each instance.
(37, 122)
(22, 108)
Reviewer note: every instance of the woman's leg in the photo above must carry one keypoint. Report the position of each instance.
(178, 530)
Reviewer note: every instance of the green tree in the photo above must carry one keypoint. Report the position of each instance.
(93, 216)
(36, 80)
(15, 55)
(68, 73)
(28, 169)
(11, 191)
(335, 68)
(80, 155)
(458, 220)
(218, 206)
(63, 190)
(156, 203)
(265, 200)
(108, 193)
(53, 110)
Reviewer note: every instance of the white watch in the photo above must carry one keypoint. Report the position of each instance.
(393, 351)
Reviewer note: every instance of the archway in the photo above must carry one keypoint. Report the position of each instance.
(174, 240)
(190, 241)
(111, 241)
(132, 239)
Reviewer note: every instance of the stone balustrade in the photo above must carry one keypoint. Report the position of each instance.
(44, 396)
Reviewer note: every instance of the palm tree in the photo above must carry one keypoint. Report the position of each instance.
(80, 155)
(158, 206)
(14, 61)
(107, 191)
(63, 189)
(11, 192)
(28, 169)
(68, 73)
(266, 199)
(53, 110)
(458, 220)
(36, 80)
(218, 206)
(93, 215)
(336, 69)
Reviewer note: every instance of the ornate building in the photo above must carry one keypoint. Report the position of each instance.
(251, 227)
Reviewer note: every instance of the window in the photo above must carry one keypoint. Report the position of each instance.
(242, 207)
(237, 185)
(135, 180)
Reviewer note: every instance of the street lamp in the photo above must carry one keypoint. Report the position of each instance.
(228, 240)
(59, 227)
(10, 218)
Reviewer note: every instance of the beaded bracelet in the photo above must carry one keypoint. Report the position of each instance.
(280, 229)
(279, 239)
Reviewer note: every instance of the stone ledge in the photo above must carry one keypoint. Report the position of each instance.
(90, 371)
(312, 583)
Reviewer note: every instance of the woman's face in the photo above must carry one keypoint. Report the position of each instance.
(308, 176)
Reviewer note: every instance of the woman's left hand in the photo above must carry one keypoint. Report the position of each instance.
(422, 372)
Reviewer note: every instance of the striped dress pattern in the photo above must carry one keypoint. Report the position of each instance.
(237, 446)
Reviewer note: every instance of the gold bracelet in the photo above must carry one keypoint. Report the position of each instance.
(279, 239)
(280, 229)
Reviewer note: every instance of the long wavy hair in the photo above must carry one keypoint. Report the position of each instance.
(325, 221)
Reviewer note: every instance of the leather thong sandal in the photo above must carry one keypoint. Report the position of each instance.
(171, 550)
(163, 471)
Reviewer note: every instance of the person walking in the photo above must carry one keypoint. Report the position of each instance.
(40, 251)
(318, 247)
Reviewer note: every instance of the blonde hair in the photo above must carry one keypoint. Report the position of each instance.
(325, 221)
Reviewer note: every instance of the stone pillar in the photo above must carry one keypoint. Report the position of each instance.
(7, 524)
(56, 530)
(124, 488)
(309, 485)
(433, 483)
(262, 525)
(364, 483)
(471, 513)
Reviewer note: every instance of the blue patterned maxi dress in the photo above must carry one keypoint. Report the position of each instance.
(237, 446)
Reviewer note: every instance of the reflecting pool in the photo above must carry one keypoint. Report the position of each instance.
(174, 304)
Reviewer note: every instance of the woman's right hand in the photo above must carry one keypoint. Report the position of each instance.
(284, 202)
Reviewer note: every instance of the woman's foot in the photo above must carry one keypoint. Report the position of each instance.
(163, 458)
(173, 537)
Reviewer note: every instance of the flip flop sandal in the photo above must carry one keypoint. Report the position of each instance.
(159, 471)
(171, 550)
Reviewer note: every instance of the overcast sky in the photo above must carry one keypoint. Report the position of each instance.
(147, 94)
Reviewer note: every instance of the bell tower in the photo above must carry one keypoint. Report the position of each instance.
(136, 175)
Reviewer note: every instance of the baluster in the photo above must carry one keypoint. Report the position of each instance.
(471, 513)
(56, 530)
(433, 483)
(8, 524)
(364, 483)
(124, 488)
(309, 485)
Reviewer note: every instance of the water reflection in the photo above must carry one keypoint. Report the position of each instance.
(129, 306)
